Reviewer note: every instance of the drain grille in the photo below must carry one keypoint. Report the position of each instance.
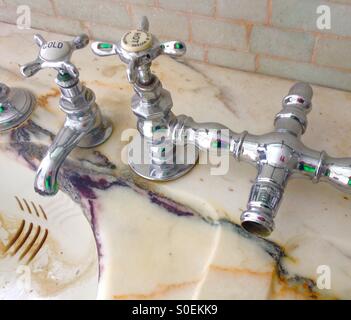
(30, 237)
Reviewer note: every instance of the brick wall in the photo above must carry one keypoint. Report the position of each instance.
(276, 37)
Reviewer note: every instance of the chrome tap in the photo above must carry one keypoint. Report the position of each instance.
(84, 125)
(154, 155)
(278, 155)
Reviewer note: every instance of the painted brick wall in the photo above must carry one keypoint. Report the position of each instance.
(276, 37)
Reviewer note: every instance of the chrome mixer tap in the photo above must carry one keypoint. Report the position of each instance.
(278, 155)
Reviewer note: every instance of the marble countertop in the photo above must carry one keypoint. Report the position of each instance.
(183, 239)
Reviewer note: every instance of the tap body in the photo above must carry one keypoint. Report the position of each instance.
(84, 125)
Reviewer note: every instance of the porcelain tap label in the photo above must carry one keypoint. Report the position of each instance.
(54, 50)
(136, 40)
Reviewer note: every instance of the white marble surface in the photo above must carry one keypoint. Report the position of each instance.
(182, 239)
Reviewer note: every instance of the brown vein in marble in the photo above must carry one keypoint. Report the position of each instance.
(159, 291)
(43, 100)
(298, 289)
(280, 288)
(292, 292)
(241, 271)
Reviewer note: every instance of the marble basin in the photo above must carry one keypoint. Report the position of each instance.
(47, 248)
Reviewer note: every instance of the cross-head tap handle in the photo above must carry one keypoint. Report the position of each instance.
(138, 48)
(55, 54)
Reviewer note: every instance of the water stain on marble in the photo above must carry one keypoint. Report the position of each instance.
(113, 86)
(47, 283)
(22, 239)
(10, 75)
(110, 71)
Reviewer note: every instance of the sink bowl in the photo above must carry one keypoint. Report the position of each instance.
(41, 256)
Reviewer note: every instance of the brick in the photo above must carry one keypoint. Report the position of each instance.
(43, 6)
(144, 2)
(232, 59)
(344, 1)
(104, 12)
(253, 10)
(294, 45)
(302, 14)
(106, 33)
(306, 72)
(194, 52)
(218, 33)
(8, 15)
(205, 7)
(334, 52)
(58, 25)
(163, 23)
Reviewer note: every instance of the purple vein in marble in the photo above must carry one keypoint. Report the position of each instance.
(170, 205)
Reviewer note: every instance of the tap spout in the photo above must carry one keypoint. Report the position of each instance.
(84, 127)
(46, 181)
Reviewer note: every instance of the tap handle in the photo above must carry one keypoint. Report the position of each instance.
(173, 49)
(144, 24)
(301, 95)
(104, 49)
(138, 48)
(141, 42)
(55, 54)
(302, 89)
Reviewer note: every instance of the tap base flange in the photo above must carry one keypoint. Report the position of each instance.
(15, 107)
(159, 173)
(145, 166)
(98, 135)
